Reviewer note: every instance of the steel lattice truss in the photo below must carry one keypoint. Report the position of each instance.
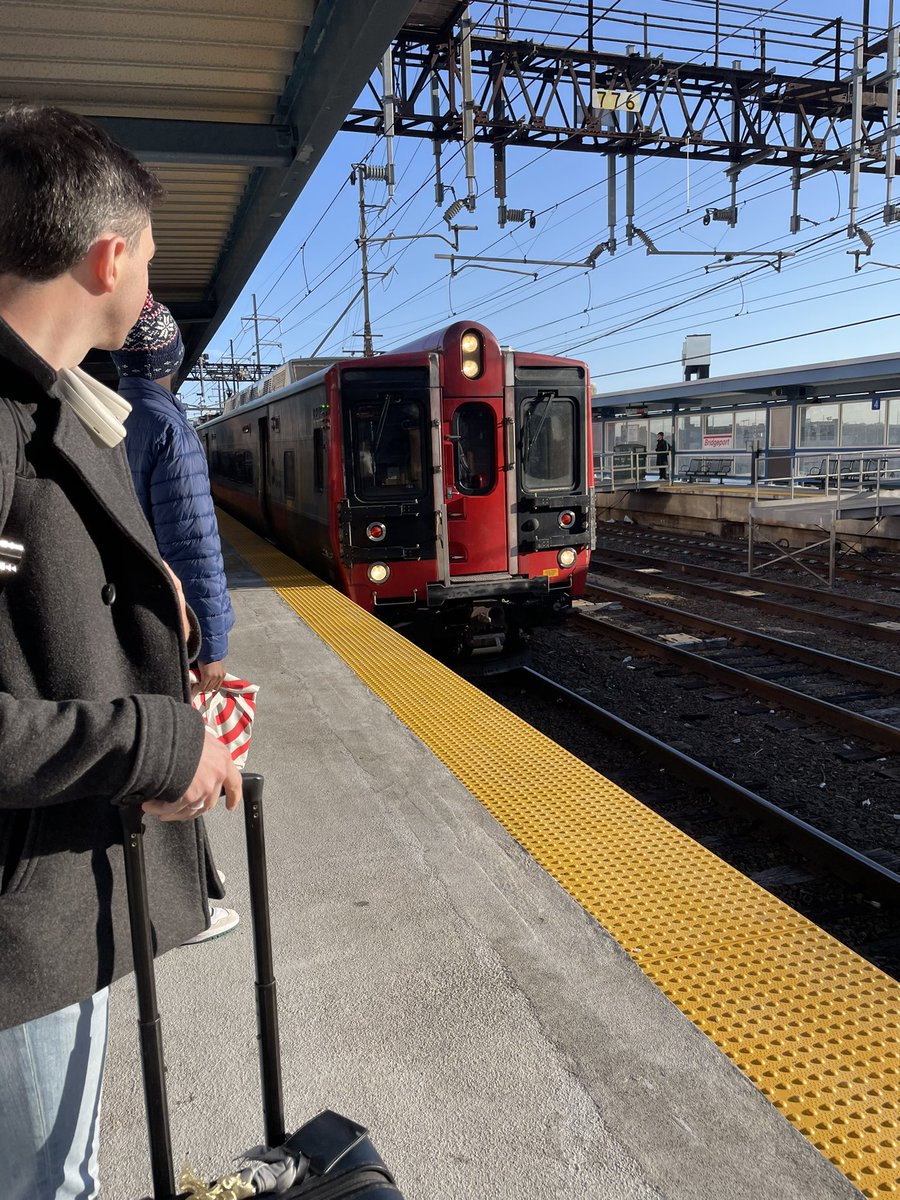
(527, 94)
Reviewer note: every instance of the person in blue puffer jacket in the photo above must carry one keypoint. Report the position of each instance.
(171, 479)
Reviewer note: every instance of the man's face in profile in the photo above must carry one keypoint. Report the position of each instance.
(126, 302)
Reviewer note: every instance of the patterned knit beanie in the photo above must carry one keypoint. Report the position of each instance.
(153, 348)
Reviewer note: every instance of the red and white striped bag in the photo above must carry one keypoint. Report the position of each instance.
(229, 713)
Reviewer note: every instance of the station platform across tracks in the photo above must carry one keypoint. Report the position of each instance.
(526, 983)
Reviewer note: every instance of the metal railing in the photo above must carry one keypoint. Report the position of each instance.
(624, 468)
(835, 475)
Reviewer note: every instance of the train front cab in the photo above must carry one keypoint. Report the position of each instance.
(468, 508)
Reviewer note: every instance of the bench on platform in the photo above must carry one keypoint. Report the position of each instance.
(827, 470)
(707, 468)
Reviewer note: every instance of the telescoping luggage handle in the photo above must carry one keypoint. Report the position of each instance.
(150, 1029)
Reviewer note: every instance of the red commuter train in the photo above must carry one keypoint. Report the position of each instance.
(446, 487)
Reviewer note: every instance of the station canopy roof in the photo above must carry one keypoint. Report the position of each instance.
(818, 381)
(231, 102)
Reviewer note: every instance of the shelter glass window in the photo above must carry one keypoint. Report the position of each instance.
(750, 427)
(718, 424)
(550, 441)
(818, 425)
(387, 434)
(894, 422)
(630, 433)
(780, 428)
(689, 434)
(861, 425)
(475, 448)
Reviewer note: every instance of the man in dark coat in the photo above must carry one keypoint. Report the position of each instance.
(662, 456)
(94, 693)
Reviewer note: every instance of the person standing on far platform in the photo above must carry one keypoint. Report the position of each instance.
(171, 479)
(94, 687)
(662, 456)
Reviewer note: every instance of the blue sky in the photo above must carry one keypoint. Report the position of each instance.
(628, 316)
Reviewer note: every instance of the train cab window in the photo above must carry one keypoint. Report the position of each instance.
(474, 448)
(549, 441)
(388, 440)
(290, 484)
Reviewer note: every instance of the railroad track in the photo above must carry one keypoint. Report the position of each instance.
(811, 604)
(876, 880)
(883, 575)
(818, 681)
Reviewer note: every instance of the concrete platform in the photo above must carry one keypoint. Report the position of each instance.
(434, 983)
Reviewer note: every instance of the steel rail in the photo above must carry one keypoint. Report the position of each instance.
(855, 571)
(871, 877)
(862, 572)
(775, 586)
(850, 668)
(692, 587)
(778, 587)
(849, 723)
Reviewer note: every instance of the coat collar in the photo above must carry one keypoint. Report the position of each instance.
(21, 355)
(102, 470)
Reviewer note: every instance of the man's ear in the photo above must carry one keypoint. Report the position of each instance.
(104, 262)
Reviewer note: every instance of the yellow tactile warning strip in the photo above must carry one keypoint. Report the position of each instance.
(811, 1023)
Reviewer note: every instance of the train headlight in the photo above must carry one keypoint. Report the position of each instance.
(566, 519)
(567, 556)
(472, 354)
(379, 573)
(376, 532)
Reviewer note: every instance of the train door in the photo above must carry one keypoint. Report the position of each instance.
(265, 470)
(475, 485)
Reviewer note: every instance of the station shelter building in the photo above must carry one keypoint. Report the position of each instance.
(773, 425)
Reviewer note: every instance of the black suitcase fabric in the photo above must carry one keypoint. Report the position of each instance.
(330, 1157)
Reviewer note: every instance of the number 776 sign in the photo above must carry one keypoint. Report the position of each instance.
(608, 99)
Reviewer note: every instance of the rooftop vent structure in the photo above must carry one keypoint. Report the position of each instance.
(696, 354)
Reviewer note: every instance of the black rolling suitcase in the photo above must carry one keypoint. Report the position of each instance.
(332, 1156)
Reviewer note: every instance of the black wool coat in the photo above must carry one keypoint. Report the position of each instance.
(94, 706)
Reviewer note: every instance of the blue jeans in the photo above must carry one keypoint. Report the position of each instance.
(51, 1072)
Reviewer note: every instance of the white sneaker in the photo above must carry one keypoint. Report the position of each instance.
(221, 920)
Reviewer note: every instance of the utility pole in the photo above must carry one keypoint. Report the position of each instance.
(259, 342)
(368, 348)
(359, 174)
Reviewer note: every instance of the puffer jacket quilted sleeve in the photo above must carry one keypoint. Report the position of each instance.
(172, 483)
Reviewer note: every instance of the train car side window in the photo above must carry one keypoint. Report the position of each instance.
(474, 448)
(388, 437)
(549, 441)
(290, 484)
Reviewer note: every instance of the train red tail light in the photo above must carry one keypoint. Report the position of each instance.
(566, 519)
(376, 532)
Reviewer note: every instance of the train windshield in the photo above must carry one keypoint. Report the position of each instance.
(549, 441)
(388, 437)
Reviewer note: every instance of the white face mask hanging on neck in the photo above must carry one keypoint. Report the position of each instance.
(101, 410)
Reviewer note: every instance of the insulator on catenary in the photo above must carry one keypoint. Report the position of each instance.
(377, 173)
(454, 210)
